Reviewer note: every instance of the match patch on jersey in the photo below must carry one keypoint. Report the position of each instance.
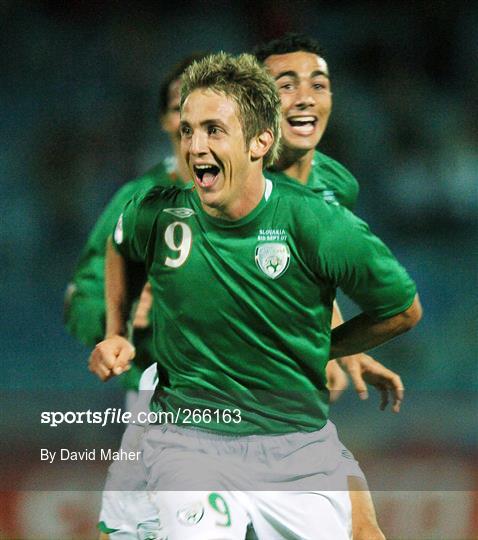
(180, 212)
(273, 258)
(118, 236)
(191, 514)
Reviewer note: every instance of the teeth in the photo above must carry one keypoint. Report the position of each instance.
(304, 119)
(203, 166)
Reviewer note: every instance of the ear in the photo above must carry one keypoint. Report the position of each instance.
(260, 144)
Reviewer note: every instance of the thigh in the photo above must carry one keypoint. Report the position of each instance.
(125, 500)
(301, 515)
(128, 475)
(197, 515)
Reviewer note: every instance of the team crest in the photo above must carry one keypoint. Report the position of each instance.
(180, 212)
(191, 514)
(273, 258)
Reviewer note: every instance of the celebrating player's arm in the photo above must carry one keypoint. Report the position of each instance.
(113, 355)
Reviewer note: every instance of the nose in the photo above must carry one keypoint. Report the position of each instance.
(305, 97)
(198, 143)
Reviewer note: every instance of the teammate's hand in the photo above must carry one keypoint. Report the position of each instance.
(337, 380)
(363, 370)
(111, 357)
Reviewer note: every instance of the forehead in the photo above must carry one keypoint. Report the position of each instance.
(204, 104)
(301, 62)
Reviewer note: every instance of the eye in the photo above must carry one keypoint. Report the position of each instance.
(213, 130)
(286, 86)
(320, 86)
(185, 131)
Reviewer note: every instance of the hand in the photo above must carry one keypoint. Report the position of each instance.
(363, 370)
(337, 380)
(111, 357)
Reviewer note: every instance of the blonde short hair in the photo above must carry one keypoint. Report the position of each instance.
(244, 80)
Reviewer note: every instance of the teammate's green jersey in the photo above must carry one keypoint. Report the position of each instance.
(243, 309)
(328, 177)
(85, 310)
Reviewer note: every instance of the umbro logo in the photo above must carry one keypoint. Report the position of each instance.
(180, 212)
(347, 454)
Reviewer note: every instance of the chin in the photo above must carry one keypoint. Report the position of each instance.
(208, 198)
(301, 144)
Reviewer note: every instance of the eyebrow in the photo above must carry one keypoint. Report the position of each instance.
(295, 75)
(215, 121)
(208, 122)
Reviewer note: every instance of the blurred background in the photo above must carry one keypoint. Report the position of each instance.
(78, 103)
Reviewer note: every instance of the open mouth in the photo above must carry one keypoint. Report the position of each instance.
(206, 174)
(303, 125)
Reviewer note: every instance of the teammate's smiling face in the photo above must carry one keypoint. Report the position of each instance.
(213, 145)
(304, 88)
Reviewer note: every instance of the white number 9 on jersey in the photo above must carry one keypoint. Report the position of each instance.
(182, 248)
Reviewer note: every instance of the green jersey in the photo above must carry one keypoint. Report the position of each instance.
(243, 309)
(328, 177)
(85, 313)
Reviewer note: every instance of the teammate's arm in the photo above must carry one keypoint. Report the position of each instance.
(113, 355)
(364, 332)
(363, 370)
(337, 380)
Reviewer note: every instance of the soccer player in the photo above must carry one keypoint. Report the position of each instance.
(85, 311)
(243, 273)
(301, 74)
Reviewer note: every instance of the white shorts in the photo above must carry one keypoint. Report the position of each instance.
(125, 501)
(287, 486)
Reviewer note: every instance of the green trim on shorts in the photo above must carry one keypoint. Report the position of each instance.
(105, 529)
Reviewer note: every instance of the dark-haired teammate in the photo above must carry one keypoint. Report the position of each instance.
(85, 305)
(123, 501)
(301, 74)
(302, 77)
(243, 272)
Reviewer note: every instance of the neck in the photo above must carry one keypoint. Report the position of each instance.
(295, 163)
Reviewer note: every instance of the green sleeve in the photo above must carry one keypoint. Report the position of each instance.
(363, 267)
(339, 179)
(134, 228)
